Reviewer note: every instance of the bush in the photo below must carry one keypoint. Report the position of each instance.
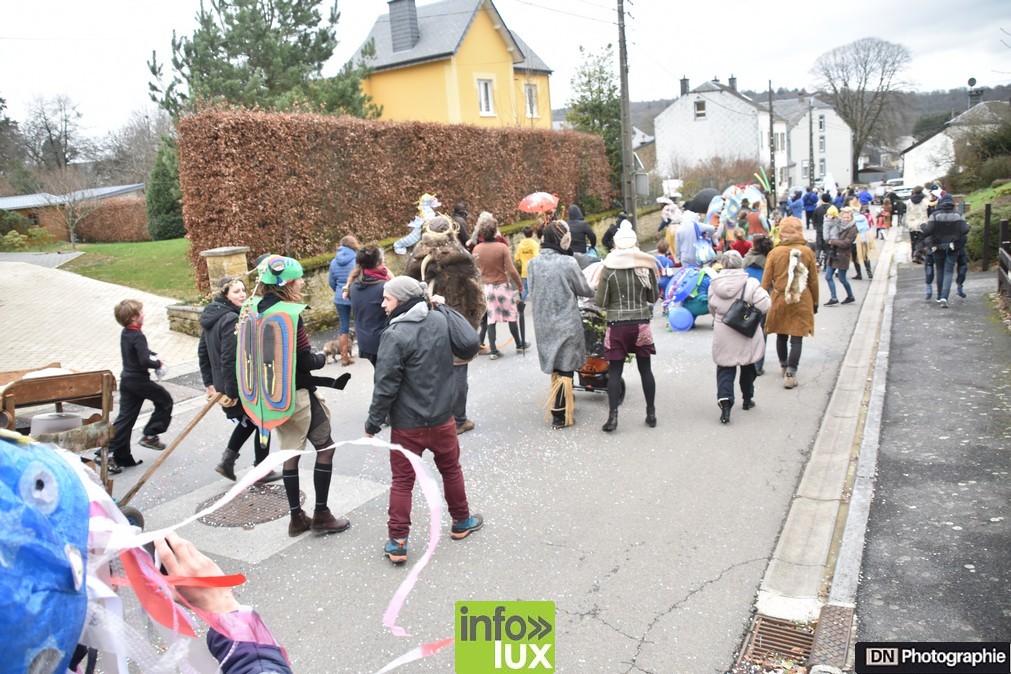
(1000, 210)
(39, 237)
(994, 169)
(14, 240)
(11, 221)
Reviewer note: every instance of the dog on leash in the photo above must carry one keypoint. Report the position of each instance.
(332, 349)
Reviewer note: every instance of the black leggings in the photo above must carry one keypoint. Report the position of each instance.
(514, 330)
(614, 371)
(792, 360)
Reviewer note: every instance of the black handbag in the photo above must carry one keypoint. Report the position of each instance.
(463, 338)
(742, 316)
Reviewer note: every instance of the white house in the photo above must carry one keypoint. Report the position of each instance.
(716, 120)
(932, 157)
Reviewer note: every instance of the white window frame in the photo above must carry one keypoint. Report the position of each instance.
(803, 170)
(821, 168)
(530, 95)
(486, 97)
(821, 143)
(821, 122)
(699, 109)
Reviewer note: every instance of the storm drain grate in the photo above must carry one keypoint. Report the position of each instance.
(832, 636)
(259, 504)
(775, 642)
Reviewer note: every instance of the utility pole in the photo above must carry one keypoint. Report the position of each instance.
(774, 196)
(627, 157)
(810, 141)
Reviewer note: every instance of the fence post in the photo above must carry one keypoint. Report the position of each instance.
(1002, 245)
(986, 237)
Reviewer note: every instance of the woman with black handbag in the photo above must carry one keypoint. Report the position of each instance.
(734, 293)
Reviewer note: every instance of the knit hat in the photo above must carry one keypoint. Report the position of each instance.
(625, 236)
(832, 212)
(946, 200)
(556, 235)
(791, 228)
(276, 270)
(403, 288)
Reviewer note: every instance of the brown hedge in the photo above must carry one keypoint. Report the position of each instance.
(295, 183)
(115, 220)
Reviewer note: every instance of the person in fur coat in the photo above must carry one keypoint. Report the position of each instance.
(731, 349)
(440, 261)
(555, 284)
(791, 279)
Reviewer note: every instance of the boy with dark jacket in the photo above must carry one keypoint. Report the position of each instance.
(944, 235)
(135, 386)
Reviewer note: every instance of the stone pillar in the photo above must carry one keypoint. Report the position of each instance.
(225, 261)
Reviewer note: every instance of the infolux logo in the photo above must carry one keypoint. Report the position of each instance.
(505, 635)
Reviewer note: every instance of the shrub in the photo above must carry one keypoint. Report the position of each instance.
(994, 169)
(38, 237)
(116, 220)
(1000, 210)
(14, 240)
(12, 221)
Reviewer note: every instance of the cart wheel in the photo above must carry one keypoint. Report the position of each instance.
(133, 516)
(621, 392)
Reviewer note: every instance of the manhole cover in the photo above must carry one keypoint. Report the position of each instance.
(258, 504)
(774, 642)
(832, 636)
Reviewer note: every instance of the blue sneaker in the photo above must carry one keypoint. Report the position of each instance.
(464, 528)
(396, 550)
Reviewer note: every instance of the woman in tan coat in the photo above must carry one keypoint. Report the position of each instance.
(731, 349)
(791, 278)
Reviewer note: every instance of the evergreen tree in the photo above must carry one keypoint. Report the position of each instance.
(596, 105)
(266, 53)
(164, 196)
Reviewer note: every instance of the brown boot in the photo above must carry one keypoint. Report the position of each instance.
(323, 522)
(300, 523)
(346, 358)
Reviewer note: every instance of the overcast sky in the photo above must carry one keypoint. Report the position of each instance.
(95, 51)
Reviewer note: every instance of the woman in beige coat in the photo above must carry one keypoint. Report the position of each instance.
(731, 349)
(791, 278)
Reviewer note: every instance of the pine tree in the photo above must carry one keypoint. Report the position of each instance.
(164, 196)
(596, 105)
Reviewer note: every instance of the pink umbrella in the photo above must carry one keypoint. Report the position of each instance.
(538, 202)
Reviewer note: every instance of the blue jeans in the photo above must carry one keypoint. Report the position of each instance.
(945, 262)
(344, 314)
(830, 272)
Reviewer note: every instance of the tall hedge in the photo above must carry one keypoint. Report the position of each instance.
(117, 219)
(295, 183)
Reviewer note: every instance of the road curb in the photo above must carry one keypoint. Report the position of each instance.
(795, 581)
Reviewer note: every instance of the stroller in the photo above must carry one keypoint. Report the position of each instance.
(593, 373)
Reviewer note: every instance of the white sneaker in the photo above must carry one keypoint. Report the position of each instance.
(943, 303)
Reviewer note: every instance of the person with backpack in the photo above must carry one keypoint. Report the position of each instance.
(791, 279)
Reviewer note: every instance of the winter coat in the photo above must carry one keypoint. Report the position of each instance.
(731, 348)
(945, 228)
(810, 201)
(628, 286)
(340, 267)
(245, 657)
(370, 318)
(137, 357)
(686, 238)
(217, 347)
(453, 273)
(797, 207)
(583, 236)
(555, 282)
(414, 371)
(916, 213)
(841, 244)
(790, 319)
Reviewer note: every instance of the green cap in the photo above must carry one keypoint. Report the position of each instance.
(276, 270)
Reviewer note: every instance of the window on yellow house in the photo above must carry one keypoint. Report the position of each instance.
(531, 93)
(485, 97)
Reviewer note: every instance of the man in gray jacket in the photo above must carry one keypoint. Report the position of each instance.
(414, 389)
(944, 235)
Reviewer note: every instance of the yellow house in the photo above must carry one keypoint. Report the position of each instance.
(456, 62)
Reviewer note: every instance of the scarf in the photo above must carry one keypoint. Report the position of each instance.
(643, 264)
(381, 273)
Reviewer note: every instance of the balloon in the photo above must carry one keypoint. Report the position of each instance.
(680, 319)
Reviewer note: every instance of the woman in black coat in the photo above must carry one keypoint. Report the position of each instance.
(216, 352)
(366, 292)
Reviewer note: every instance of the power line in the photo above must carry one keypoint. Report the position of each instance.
(561, 11)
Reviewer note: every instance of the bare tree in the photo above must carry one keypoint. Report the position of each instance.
(52, 134)
(72, 197)
(863, 81)
(128, 154)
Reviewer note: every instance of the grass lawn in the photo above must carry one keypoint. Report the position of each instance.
(159, 267)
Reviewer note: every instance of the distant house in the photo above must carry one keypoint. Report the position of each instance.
(455, 61)
(932, 157)
(43, 209)
(716, 120)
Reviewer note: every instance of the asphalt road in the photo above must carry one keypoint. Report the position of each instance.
(652, 542)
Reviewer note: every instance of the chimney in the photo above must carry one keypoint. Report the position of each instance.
(733, 83)
(684, 86)
(975, 97)
(403, 24)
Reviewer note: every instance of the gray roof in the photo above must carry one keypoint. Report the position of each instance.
(793, 109)
(442, 27)
(531, 62)
(27, 201)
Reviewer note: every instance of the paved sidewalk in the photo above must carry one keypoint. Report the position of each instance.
(82, 334)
